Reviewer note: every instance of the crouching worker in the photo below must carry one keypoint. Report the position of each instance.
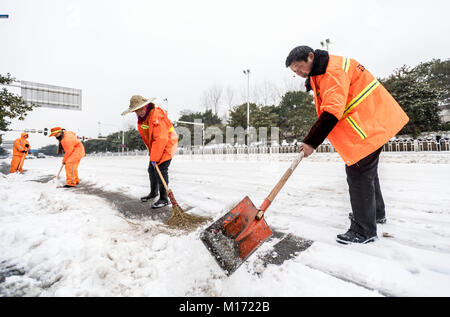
(161, 139)
(20, 151)
(73, 153)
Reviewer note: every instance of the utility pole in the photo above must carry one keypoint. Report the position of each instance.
(123, 141)
(99, 130)
(247, 72)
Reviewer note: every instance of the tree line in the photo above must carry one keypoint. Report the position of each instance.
(422, 91)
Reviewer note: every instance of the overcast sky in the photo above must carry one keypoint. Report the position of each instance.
(179, 49)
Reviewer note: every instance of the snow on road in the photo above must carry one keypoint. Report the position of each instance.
(59, 242)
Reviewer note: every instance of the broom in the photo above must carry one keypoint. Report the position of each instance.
(179, 218)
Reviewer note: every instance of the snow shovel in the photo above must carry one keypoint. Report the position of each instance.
(57, 175)
(235, 236)
(56, 179)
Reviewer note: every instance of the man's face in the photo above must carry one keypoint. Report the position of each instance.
(302, 68)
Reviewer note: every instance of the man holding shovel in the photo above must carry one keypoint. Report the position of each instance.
(358, 116)
(20, 151)
(73, 153)
(161, 140)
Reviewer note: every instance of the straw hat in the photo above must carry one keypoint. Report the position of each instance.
(137, 102)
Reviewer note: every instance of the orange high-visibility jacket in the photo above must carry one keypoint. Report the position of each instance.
(368, 115)
(73, 148)
(20, 145)
(159, 136)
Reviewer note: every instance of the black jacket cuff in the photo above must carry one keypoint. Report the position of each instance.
(320, 129)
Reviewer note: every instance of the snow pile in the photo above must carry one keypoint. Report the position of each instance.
(60, 242)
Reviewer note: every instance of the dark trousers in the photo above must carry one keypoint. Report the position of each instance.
(155, 181)
(365, 194)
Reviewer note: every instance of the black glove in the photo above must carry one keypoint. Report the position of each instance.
(24, 151)
(27, 146)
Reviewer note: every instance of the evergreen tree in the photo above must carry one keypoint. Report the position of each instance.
(95, 145)
(133, 140)
(113, 142)
(264, 117)
(417, 97)
(296, 114)
(437, 74)
(238, 116)
(208, 118)
(11, 105)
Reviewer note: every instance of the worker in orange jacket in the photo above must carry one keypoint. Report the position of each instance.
(20, 152)
(161, 140)
(73, 153)
(358, 116)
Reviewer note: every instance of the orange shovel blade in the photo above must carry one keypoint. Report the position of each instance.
(235, 236)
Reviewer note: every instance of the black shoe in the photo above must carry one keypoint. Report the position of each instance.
(353, 237)
(149, 197)
(378, 220)
(160, 203)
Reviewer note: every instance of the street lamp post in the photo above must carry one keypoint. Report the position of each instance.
(99, 129)
(123, 141)
(247, 72)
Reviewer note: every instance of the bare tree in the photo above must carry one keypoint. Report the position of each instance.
(275, 95)
(230, 98)
(211, 98)
(293, 83)
(242, 94)
(267, 94)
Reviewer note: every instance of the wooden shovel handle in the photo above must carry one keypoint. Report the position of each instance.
(285, 177)
(279, 186)
(57, 175)
(21, 161)
(162, 178)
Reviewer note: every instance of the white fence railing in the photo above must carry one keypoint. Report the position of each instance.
(391, 146)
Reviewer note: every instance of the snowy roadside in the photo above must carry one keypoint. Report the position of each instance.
(63, 243)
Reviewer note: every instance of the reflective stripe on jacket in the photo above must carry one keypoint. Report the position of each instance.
(368, 115)
(159, 136)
